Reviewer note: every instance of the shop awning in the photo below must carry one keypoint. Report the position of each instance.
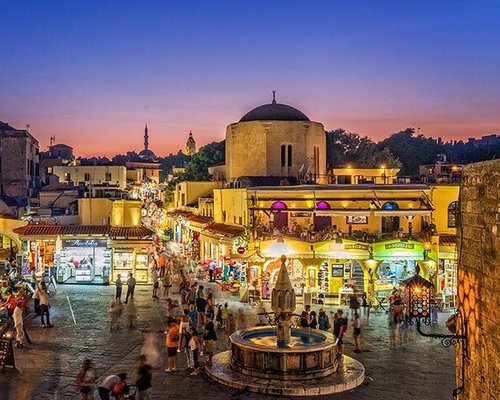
(342, 248)
(289, 247)
(401, 213)
(84, 230)
(252, 257)
(448, 247)
(341, 213)
(398, 250)
(230, 231)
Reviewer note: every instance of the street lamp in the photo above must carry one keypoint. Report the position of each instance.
(419, 295)
(383, 173)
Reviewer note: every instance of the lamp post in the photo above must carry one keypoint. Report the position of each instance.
(418, 296)
(383, 174)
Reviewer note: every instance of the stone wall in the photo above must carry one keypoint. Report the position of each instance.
(479, 278)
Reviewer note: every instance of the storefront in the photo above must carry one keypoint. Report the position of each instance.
(341, 272)
(397, 261)
(86, 254)
(447, 270)
(130, 257)
(84, 261)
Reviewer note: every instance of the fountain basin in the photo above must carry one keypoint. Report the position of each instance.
(311, 354)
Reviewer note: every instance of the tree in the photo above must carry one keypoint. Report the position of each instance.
(345, 148)
(173, 160)
(209, 155)
(413, 151)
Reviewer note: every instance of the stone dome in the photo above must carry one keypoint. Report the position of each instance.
(274, 112)
(147, 154)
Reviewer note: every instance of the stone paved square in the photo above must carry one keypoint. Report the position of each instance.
(417, 368)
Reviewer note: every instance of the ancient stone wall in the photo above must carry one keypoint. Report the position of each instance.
(479, 278)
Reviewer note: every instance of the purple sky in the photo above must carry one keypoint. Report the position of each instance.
(92, 73)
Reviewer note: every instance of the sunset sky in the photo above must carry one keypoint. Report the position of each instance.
(92, 73)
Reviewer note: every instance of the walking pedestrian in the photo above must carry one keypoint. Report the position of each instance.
(119, 285)
(17, 316)
(201, 303)
(131, 312)
(210, 305)
(130, 286)
(339, 329)
(109, 383)
(85, 380)
(353, 305)
(357, 333)
(313, 322)
(209, 336)
(156, 282)
(323, 320)
(184, 328)
(36, 300)
(224, 316)
(167, 283)
(211, 270)
(195, 348)
(305, 316)
(144, 377)
(172, 343)
(43, 296)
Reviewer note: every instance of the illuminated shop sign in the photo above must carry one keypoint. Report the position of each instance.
(84, 243)
(400, 245)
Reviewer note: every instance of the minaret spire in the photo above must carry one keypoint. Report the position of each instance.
(146, 138)
(274, 97)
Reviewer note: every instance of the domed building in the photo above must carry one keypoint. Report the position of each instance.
(276, 140)
(146, 154)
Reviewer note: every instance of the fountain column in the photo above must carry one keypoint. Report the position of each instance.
(283, 305)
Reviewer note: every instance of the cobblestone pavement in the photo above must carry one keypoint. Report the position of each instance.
(417, 368)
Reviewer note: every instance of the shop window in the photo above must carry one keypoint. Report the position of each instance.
(452, 214)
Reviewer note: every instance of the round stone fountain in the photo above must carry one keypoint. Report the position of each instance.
(282, 359)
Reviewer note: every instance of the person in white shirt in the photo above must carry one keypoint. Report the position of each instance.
(43, 297)
(17, 316)
(130, 287)
(108, 384)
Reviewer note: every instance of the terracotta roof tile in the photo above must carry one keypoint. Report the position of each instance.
(447, 240)
(226, 230)
(83, 230)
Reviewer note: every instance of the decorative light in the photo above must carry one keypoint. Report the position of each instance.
(419, 294)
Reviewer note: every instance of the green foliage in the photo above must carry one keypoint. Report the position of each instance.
(209, 155)
(412, 150)
(343, 148)
(173, 160)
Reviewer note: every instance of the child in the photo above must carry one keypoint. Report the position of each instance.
(224, 316)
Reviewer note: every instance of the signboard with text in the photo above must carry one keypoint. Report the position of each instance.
(85, 243)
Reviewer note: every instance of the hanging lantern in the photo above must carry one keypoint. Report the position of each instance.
(418, 294)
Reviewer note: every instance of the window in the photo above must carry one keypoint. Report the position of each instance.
(67, 177)
(316, 160)
(86, 177)
(49, 170)
(183, 199)
(108, 177)
(452, 214)
(289, 155)
(283, 155)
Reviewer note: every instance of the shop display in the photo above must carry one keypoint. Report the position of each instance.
(123, 263)
(83, 260)
(141, 267)
(324, 279)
